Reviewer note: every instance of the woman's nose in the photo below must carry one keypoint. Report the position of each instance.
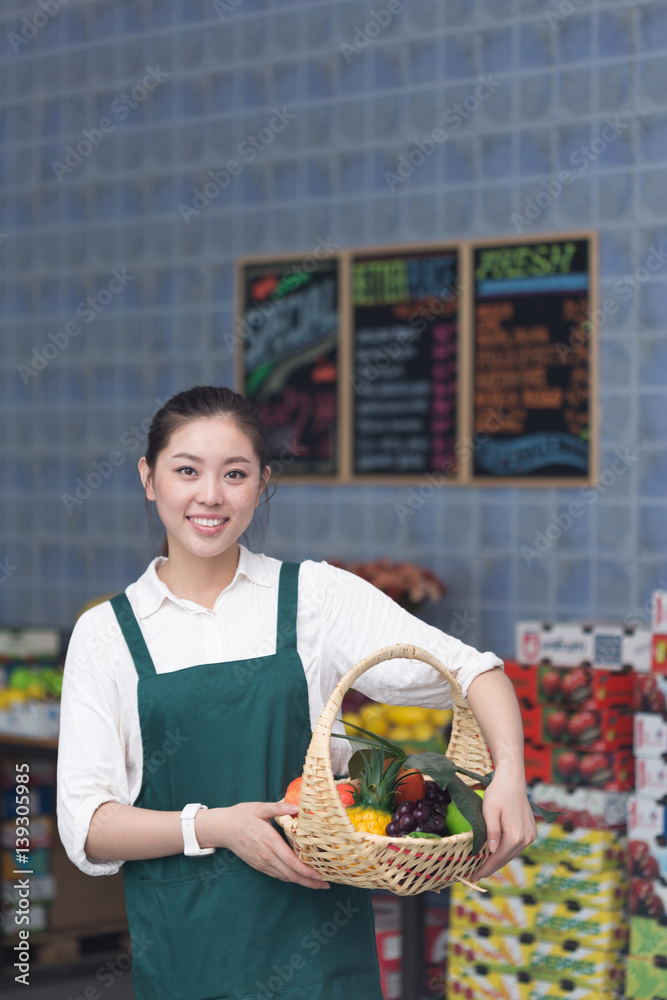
(210, 491)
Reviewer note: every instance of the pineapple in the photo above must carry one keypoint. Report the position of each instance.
(374, 797)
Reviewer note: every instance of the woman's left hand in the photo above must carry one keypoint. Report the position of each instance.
(510, 824)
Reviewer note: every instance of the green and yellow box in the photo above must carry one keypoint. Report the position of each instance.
(648, 938)
(480, 984)
(646, 980)
(556, 881)
(586, 850)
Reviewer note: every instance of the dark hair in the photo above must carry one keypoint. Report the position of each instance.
(206, 401)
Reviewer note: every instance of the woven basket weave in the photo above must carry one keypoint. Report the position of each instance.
(325, 839)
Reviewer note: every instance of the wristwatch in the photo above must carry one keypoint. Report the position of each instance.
(190, 844)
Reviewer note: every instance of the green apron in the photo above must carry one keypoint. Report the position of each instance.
(213, 927)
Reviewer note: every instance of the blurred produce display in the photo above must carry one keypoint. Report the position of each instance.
(407, 584)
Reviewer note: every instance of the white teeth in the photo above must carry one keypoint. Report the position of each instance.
(208, 522)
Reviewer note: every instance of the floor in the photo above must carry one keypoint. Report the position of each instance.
(90, 987)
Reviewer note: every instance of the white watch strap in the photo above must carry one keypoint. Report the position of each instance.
(190, 844)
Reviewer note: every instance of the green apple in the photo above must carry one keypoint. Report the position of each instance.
(456, 822)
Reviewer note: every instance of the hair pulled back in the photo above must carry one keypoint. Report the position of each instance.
(206, 401)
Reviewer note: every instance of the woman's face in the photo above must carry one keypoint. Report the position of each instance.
(206, 485)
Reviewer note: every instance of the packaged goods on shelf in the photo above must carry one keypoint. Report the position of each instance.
(651, 778)
(552, 960)
(637, 649)
(648, 938)
(592, 808)
(23, 644)
(580, 687)
(41, 832)
(659, 653)
(648, 858)
(42, 890)
(42, 800)
(659, 611)
(646, 819)
(38, 861)
(390, 945)
(557, 881)
(481, 984)
(613, 770)
(40, 773)
(650, 693)
(595, 929)
(39, 916)
(587, 850)
(572, 644)
(648, 898)
(650, 735)
(646, 979)
(579, 729)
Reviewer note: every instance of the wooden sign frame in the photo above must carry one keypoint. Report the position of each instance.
(465, 475)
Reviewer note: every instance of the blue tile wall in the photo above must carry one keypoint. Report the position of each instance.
(225, 66)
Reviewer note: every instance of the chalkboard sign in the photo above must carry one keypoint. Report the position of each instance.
(531, 405)
(288, 335)
(404, 344)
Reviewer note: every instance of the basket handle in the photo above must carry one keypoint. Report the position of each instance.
(467, 746)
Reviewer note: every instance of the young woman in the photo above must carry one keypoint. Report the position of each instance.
(187, 708)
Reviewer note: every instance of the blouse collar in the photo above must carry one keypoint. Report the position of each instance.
(150, 591)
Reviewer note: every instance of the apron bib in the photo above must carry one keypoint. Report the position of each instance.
(213, 927)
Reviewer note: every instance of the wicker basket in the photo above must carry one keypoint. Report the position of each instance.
(325, 839)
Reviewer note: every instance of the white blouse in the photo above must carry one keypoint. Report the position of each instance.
(340, 619)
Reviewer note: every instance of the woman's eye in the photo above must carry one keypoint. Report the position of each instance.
(188, 469)
(237, 474)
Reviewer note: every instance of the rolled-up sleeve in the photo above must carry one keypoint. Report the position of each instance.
(358, 619)
(91, 756)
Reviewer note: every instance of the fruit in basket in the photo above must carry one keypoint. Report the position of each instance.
(346, 790)
(456, 823)
(293, 791)
(411, 786)
(374, 797)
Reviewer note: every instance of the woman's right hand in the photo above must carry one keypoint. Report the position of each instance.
(246, 830)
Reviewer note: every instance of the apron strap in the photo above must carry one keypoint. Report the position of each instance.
(133, 635)
(288, 596)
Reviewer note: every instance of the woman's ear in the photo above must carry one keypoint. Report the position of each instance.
(264, 482)
(145, 473)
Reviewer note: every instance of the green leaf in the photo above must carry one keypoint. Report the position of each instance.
(548, 814)
(423, 836)
(372, 739)
(441, 769)
(357, 765)
(469, 805)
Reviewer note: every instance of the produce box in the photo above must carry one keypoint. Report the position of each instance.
(587, 850)
(648, 938)
(646, 979)
(595, 929)
(651, 779)
(571, 687)
(558, 882)
(646, 819)
(552, 960)
(564, 645)
(659, 654)
(648, 898)
(648, 858)
(593, 808)
(41, 832)
(38, 862)
(28, 644)
(614, 770)
(650, 693)
(659, 611)
(650, 735)
(579, 729)
(637, 645)
(482, 984)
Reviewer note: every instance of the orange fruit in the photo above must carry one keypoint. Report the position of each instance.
(294, 791)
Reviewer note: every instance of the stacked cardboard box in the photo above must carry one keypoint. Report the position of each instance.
(647, 823)
(390, 943)
(553, 923)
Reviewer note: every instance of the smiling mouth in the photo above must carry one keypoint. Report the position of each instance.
(208, 522)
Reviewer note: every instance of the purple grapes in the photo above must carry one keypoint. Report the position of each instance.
(425, 816)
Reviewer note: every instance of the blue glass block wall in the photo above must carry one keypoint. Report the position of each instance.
(112, 297)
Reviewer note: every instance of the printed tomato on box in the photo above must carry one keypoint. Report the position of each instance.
(593, 808)
(582, 729)
(647, 859)
(648, 898)
(650, 693)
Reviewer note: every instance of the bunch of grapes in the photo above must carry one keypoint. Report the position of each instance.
(425, 816)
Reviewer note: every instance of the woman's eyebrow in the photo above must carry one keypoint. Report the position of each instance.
(228, 461)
